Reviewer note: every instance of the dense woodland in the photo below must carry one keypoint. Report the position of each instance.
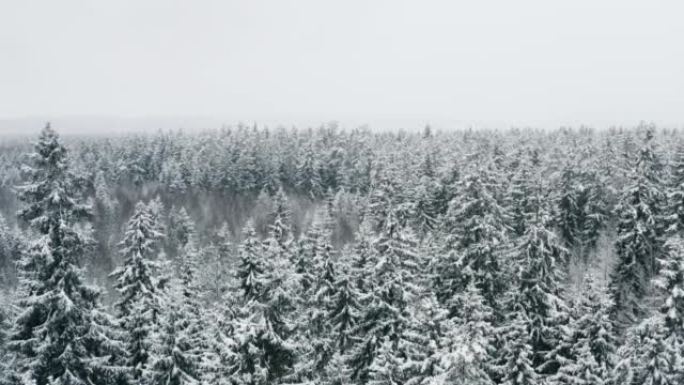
(257, 256)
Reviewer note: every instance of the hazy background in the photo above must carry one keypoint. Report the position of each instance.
(143, 64)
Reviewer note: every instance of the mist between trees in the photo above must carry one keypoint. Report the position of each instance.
(329, 256)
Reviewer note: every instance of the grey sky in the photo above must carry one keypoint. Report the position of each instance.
(385, 63)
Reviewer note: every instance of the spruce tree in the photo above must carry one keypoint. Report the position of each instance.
(465, 351)
(344, 312)
(638, 237)
(537, 296)
(280, 229)
(252, 266)
(181, 230)
(589, 344)
(180, 347)
(59, 336)
(517, 354)
(173, 360)
(265, 349)
(394, 282)
(670, 281)
(648, 356)
(138, 308)
(569, 210)
(475, 243)
(7, 374)
(675, 197)
(220, 257)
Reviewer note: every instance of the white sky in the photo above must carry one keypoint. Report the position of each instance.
(385, 63)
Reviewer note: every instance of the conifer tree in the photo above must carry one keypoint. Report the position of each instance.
(220, 356)
(173, 360)
(638, 237)
(280, 229)
(181, 230)
(138, 308)
(318, 299)
(648, 356)
(569, 210)
(593, 215)
(675, 196)
(59, 336)
(265, 350)
(394, 283)
(7, 374)
(588, 347)
(670, 281)
(517, 354)
(252, 266)
(308, 177)
(180, 349)
(476, 237)
(220, 258)
(157, 214)
(537, 295)
(465, 352)
(364, 256)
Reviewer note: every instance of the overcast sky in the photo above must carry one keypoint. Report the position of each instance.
(385, 63)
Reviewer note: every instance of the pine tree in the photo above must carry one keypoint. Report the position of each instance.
(138, 308)
(59, 336)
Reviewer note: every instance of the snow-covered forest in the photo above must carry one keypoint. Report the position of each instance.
(250, 255)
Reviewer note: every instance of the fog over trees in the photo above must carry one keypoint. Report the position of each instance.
(254, 256)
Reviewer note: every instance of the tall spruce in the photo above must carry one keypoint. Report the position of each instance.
(139, 305)
(587, 350)
(60, 334)
(537, 297)
(475, 245)
(640, 226)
